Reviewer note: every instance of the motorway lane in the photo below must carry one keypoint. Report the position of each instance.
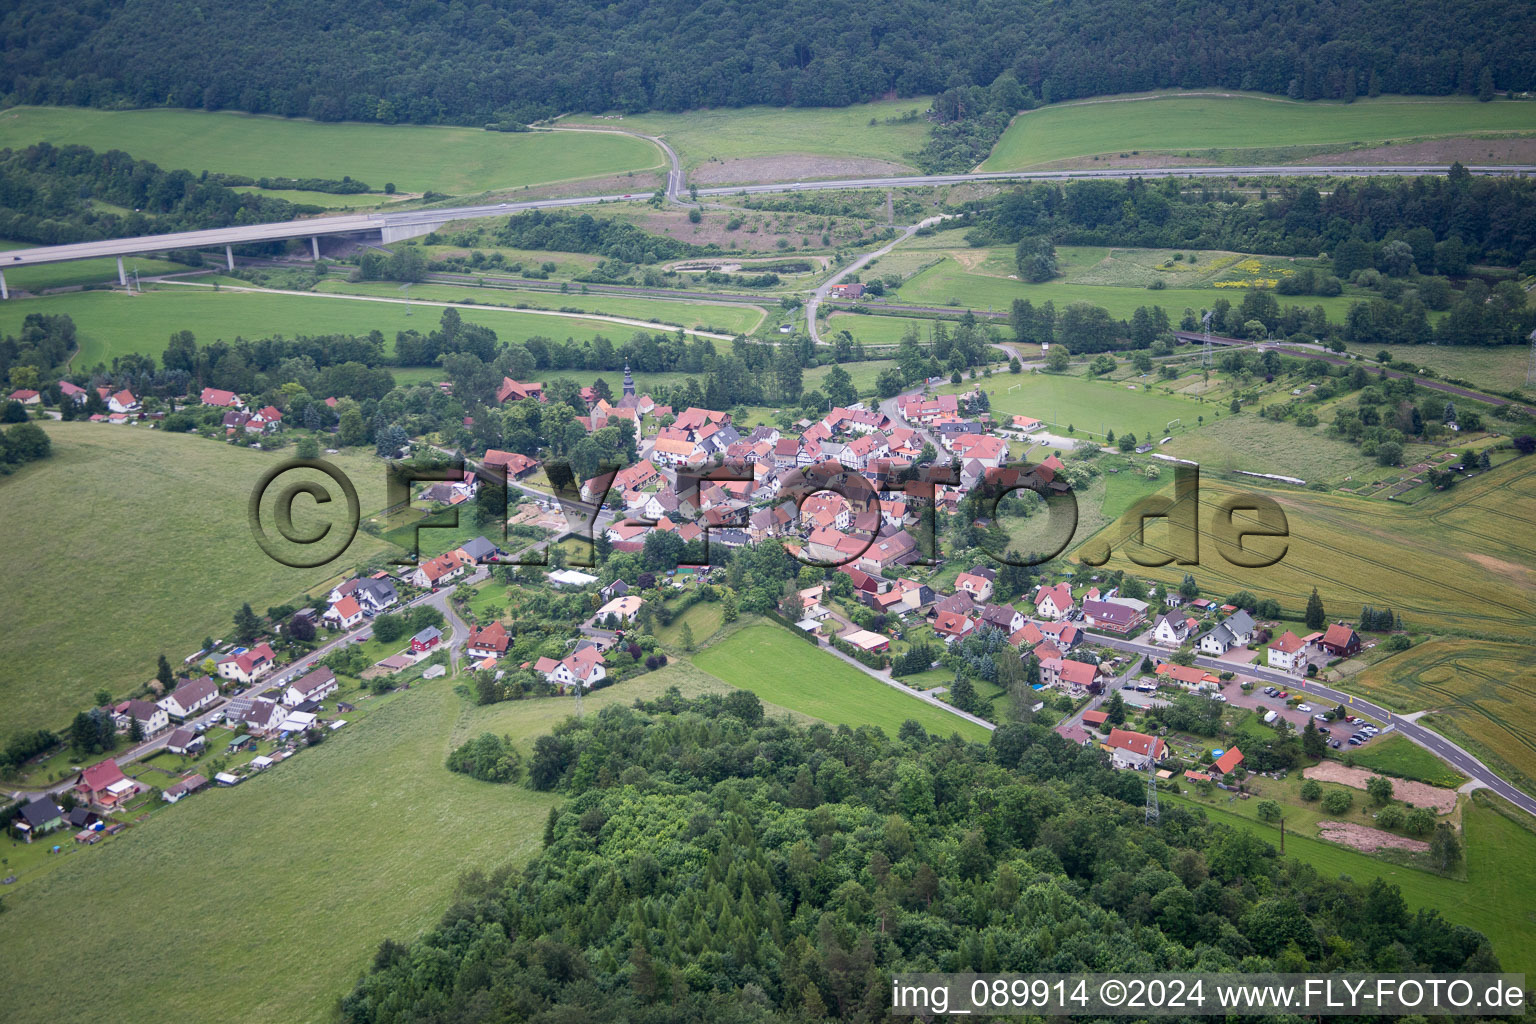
(1432, 741)
(350, 223)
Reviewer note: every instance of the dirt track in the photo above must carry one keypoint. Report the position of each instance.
(1441, 801)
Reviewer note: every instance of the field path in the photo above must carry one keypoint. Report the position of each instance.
(627, 321)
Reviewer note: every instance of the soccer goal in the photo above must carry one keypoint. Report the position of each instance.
(1171, 424)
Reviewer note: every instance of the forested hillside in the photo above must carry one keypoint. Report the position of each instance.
(425, 61)
(708, 865)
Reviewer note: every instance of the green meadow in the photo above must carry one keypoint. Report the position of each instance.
(1175, 123)
(416, 158)
(80, 272)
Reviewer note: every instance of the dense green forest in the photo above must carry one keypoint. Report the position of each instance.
(470, 63)
(710, 865)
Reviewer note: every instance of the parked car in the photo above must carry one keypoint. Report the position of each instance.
(1334, 744)
(1305, 707)
(1320, 717)
(1355, 741)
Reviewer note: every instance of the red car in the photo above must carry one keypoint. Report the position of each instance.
(1284, 695)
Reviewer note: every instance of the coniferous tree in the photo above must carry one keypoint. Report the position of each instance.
(1316, 617)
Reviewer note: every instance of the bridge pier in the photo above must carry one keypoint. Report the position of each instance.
(229, 256)
(5, 292)
(314, 246)
(122, 278)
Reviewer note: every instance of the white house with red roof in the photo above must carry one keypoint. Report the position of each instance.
(265, 420)
(26, 396)
(1287, 652)
(104, 785)
(1073, 676)
(489, 641)
(248, 666)
(1053, 602)
(584, 668)
(976, 583)
(951, 626)
(222, 399)
(123, 402)
(435, 572)
(344, 614)
(1133, 749)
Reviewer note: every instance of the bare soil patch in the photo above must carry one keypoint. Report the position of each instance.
(1367, 840)
(1436, 151)
(1420, 794)
(1519, 573)
(792, 167)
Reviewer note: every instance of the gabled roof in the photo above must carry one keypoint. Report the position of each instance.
(1136, 743)
(493, 637)
(41, 811)
(1229, 760)
(1061, 594)
(315, 680)
(100, 776)
(1287, 643)
(1338, 635)
(346, 608)
(193, 690)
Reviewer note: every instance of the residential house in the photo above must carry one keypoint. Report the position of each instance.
(104, 785)
(190, 697)
(266, 420)
(1241, 625)
(123, 402)
(1004, 617)
(249, 666)
(952, 626)
(74, 392)
(316, 685)
(1133, 749)
(1288, 652)
(990, 451)
(1027, 424)
(624, 608)
(1340, 641)
(978, 582)
(264, 717)
(186, 787)
(1112, 617)
(1171, 629)
(1228, 761)
(866, 641)
(436, 572)
(1074, 676)
(185, 740)
(1063, 634)
(344, 614)
(38, 816)
(222, 399)
(478, 551)
(26, 396)
(515, 391)
(374, 595)
(888, 551)
(514, 464)
(618, 588)
(1234, 631)
(151, 718)
(1187, 676)
(852, 290)
(1053, 602)
(489, 641)
(583, 668)
(426, 640)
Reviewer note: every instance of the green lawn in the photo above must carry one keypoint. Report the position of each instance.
(130, 542)
(1399, 756)
(1260, 445)
(1117, 280)
(80, 272)
(1173, 124)
(1503, 368)
(329, 200)
(879, 330)
(754, 133)
(717, 317)
(114, 323)
(416, 158)
(1501, 859)
(1087, 405)
(790, 672)
(704, 618)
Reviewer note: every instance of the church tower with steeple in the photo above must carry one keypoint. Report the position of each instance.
(629, 381)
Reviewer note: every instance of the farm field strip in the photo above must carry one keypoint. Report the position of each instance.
(1172, 122)
(416, 158)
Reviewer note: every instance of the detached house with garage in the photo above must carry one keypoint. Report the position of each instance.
(1287, 652)
(435, 572)
(1133, 749)
(344, 614)
(1235, 631)
(249, 666)
(1053, 602)
(489, 641)
(583, 668)
(151, 718)
(104, 785)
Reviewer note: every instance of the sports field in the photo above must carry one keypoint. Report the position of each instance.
(153, 530)
(1481, 694)
(1459, 559)
(416, 158)
(113, 323)
(745, 142)
(1173, 123)
(791, 673)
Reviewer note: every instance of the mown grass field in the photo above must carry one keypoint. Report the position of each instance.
(1459, 560)
(1501, 859)
(790, 672)
(114, 323)
(1398, 756)
(1115, 279)
(416, 158)
(1481, 694)
(717, 317)
(130, 542)
(881, 330)
(753, 133)
(1086, 405)
(1246, 441)
(80, 272)
(1171, 123)
(704, 619)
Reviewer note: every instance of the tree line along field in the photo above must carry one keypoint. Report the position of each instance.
(1440, 564)
(1480, 694)
(416, 158)
(1208, 125)
(128, 543)
(112, 323)
(750, 144)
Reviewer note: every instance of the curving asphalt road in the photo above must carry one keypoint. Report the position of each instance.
(1436, 744)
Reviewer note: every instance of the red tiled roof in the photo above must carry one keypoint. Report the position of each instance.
(1135, 742)
(1231, 759)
